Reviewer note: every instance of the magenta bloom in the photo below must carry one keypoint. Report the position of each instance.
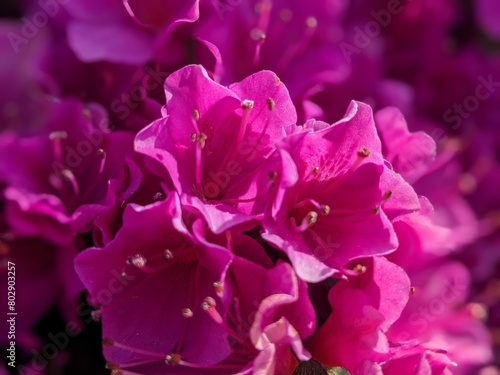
(128, 31)
(330, 196)
(50, 177)
(437, 317)
(363, 309)
(191, 287)
(214, 141)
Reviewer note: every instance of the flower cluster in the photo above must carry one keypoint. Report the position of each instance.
(251, 186)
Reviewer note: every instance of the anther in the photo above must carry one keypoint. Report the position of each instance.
(363, 152)
(258, 35)
(168, 254)
(315, 170)
(247, 104)
(138, 260)
(101, 153)
(270, 103)
(311, 22)
(387, 194)
(201, 139)
(311, 218)
(325, 209)
(360, 269)
(58, 135)
(412, 290)
(116, 372)
(186, 313)
(193, 137)
(123, 275)
(208, 303)
(173, 359)
(218, 286)
(196, 115)
(112, 366)
(158, 196)
(376, 209)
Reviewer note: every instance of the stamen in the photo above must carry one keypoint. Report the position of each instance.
(109, 342)
(360, 269)
(311, 22)
(196, 115)
(58, 135)
(363, 152)
(376, 209)
(168, 255)
(246, 105)
(138, 260)
(193, 137)
(219, 287)
(270, 103)
(208, 303)
(158, 196)
(173, 359)
(325, 209)
(202, 139)
(412, 290)
(112, 366)
(101, 153)
(187, 313)
(312, 218)
(57, 140)
(387, 195)
(308, 221)
(70, 177)
(208, 306)
(258, 36)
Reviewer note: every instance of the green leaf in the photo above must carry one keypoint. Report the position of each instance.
(337, 371)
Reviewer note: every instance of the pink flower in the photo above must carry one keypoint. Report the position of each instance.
(49, 177)
(330, 193)
(437, 316)
(127, 31)
(363, 308)
(158, 295)
(214, 141)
